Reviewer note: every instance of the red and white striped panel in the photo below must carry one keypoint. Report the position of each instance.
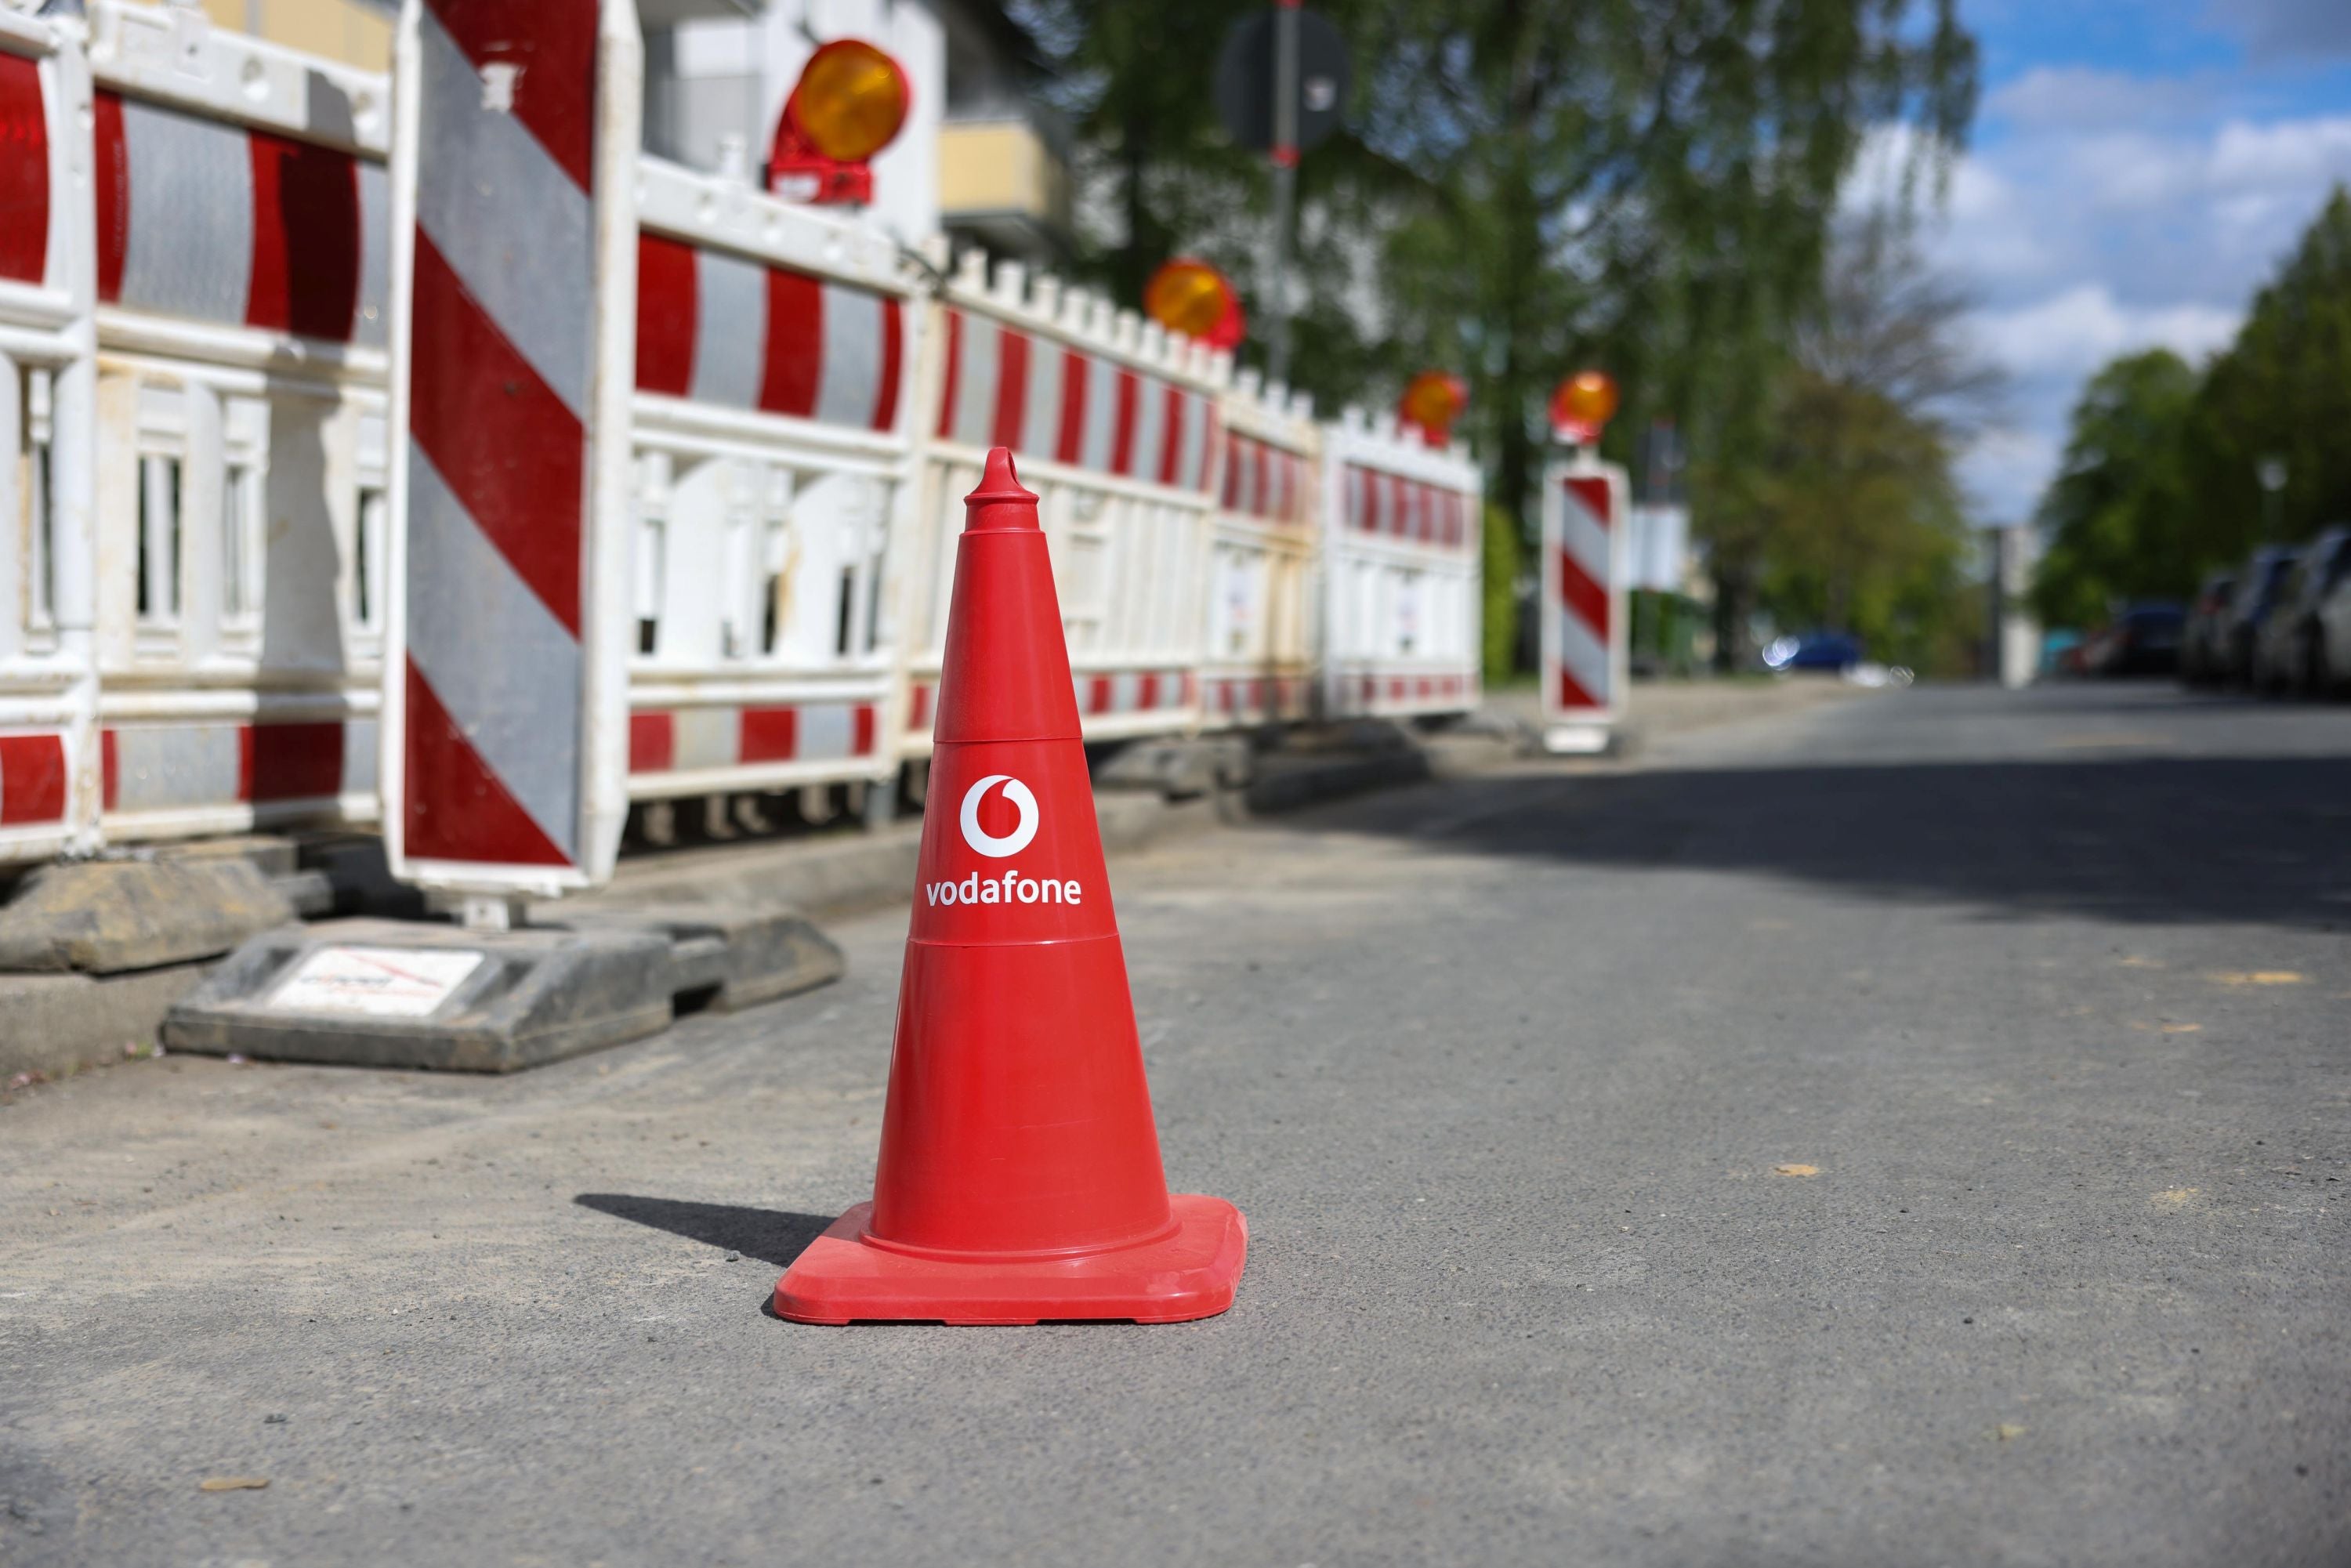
(1262, 480)
(23, 172)
(1379, 502)
(1004, 387)
(500, 367)
(32, 778)
(181, 766)
(723, 328)
(687, 740)
(1378, 692)
(1126, 693)
(201, 218)
(1585, 524)
(1258, 697)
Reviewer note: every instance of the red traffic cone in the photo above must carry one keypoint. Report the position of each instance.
(1019, 1179)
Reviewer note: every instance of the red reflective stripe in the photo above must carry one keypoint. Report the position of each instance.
(1232, 496)
(23, 178)
(505, 444)
(110, 771)
(305, 276)
(1208, 446)
(1572, 695)
(1072, 442)
(947, 383)
(1098, 694)
(767, 734)
(918, 707)
(1585, 599)
(795, 359)
(32, 778)
(1171, 436)
(112, 180)
(469, 814)
(1121, 446)
(293, 761)
(893, 350)
(652, 742)
(553, 43)
(1262, 457)
(1593, 494)
(864, 744)
(1147, 692)
(666, 303)
(1011, 387)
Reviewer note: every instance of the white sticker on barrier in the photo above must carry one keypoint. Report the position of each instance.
(379, 982)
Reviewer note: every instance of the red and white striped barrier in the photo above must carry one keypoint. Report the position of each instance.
(177, 778)
(717, 328)
(48, 687)
(1400, 571)
(1586, 647)
(1115, 426)
(1256, 652)
(504, 706)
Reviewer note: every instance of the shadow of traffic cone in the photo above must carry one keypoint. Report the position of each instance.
(1020, 1177)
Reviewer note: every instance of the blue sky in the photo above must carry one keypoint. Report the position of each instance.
(2137, 170)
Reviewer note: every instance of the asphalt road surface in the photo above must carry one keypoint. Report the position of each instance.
(1910, 1132)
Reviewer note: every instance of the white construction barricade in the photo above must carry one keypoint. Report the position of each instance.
(1263, 620)
(48, 690)
(1113, 425)
(1401, 568)
(1586, 631)
(774, 461)
(239, 217)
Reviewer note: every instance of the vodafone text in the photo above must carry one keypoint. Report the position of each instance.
(1009, 888)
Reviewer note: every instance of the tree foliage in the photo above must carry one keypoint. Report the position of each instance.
(1525, 186)
(2160, 484)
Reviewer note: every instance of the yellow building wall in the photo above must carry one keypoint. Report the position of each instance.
(344, 31)
(998, 166)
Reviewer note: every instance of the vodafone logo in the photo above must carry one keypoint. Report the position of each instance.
(1013, 842)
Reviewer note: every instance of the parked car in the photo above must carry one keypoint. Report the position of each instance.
(2332, 670)
(2289, 653)
(2143, 640)
(2203, 640)
(2257, 595)
(1832, 651)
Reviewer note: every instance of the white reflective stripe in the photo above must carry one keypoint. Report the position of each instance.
(359, 755)
(705, 738)
(1150, 428)
(1583, 538)
(1195, 441)
(849, 370)
(159, 767)
(1040, 413)
(519, 707)
(1244, 453)
(1099, 440)
(1585, 656)
(823, 732)
(975, 409)
(189, 247)
(1080, 685)
(509, 221)
(730, 330)
(1352, 505)
(1125, 691)
(372, 324)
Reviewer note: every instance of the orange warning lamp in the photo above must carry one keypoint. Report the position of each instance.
(1582, 404)
(1432, 401)
(1190, 297)
(851, 102)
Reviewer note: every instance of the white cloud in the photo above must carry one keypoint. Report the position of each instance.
(2080, 97)
(2074, 332)
(2003, 472)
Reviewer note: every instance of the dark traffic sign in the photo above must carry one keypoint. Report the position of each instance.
(1245, 99)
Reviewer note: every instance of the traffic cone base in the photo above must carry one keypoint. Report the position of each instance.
(847, 1275)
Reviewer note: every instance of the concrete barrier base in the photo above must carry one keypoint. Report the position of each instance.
(382, 993)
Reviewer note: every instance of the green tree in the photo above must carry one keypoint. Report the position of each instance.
(1526, 186)
(2282, 389)
(2118, 520)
